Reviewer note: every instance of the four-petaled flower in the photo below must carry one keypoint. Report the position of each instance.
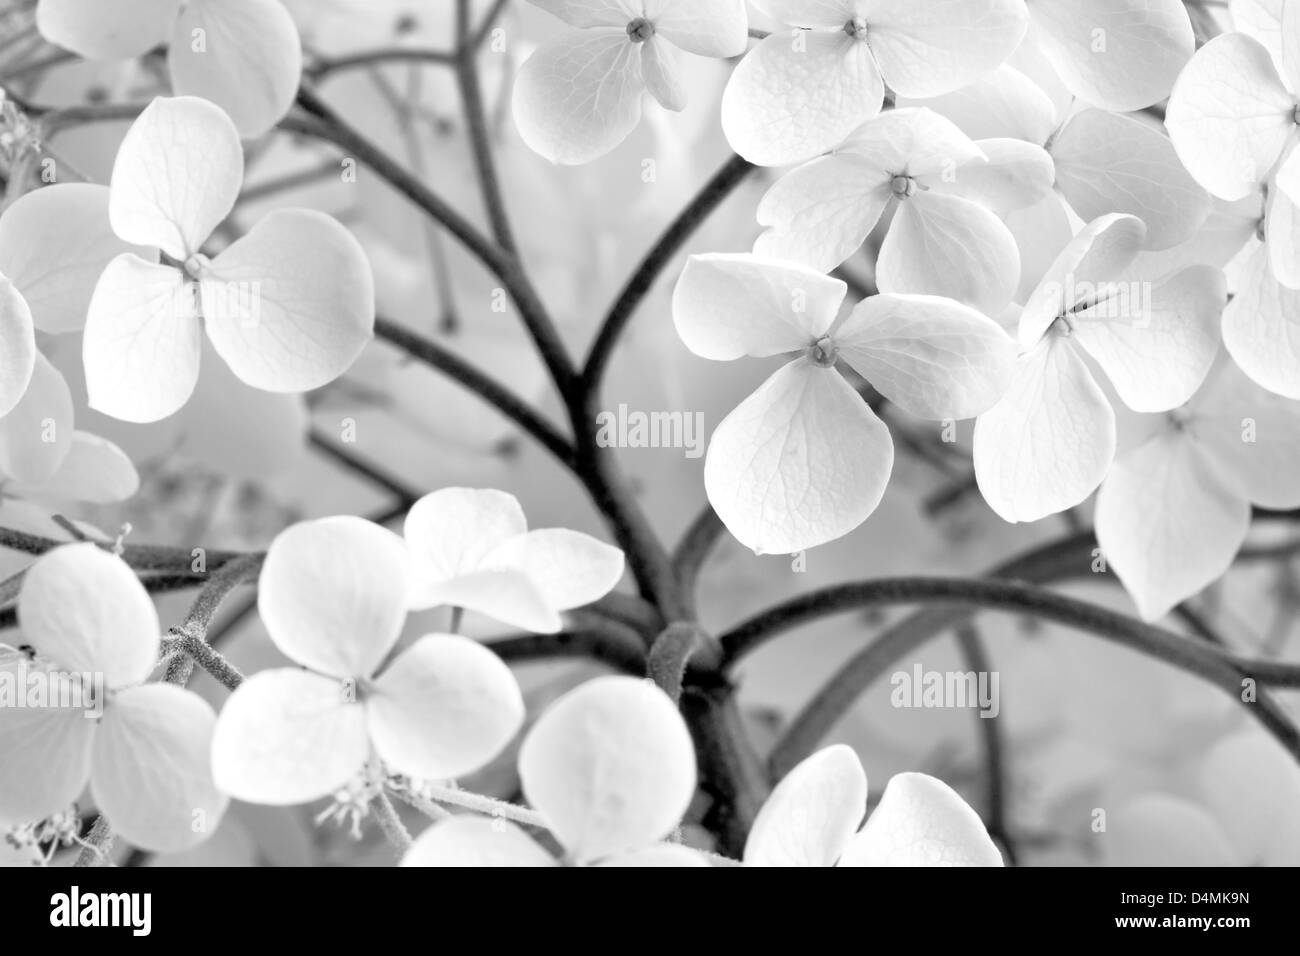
(579, 96)
(333, 597)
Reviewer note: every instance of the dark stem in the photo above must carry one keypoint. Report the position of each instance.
(976, 657)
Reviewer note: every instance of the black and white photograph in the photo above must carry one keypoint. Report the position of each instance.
(650, 433)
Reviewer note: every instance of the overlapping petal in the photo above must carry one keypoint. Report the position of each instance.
(106, 29)
(812, 814)
(1261, 328)
(921, 821)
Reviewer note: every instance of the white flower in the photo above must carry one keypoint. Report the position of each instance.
(611, 768)
(1121, 55)
(146, 758)
(332, 596)
(243, 55)
(1261, 327)
(939, 242)
(471, 548)
(803, 89)
(579, 96)
(1047, 444)
(804, 460)
(813, 817)
(288, 307)
(1175, 508)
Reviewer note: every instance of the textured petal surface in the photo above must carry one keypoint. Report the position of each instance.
(1046, 446)
(291, 305)
(287, 737)
(177, 175)
(932, 356)
(707, 27)
(84, 609)
(728, 305)
(813, 812)
(795, 96)
(1121, 55)
(152, 770)
(611, 767)
(800, 462)
(1261, 328)
(333, 594)
(1229, 116)
(921, 821)
(444, 708)
(579, 96)
(243, 55)
(46, 755)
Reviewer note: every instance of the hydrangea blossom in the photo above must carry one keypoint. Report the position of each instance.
(611, 768)
(805, 87)
(1175, 508)
(333, 597)
(243, 55)
(1261, 326)
(1232, 114)
(804, 460)
(1047, 444)
(146, 756)
(471, 548)
(579, 96)
(813, 818)
(288, 307)
(941, 240)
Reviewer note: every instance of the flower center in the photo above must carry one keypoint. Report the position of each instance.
(824, 352)
(640, 30)
(904, 187)
(196, 265)
(1063, 325)
(856, 28)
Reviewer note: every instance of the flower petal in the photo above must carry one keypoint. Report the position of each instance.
(592, 13)
(569, 569)
(1015, 175)
(663, 854)
(444, 708)
(177, 175)
(36, 435)
(932, 356)
(1046, 446)
(507, 595)
(243, 55)
(1261, 328)
(1156, 345)
(819, 214)
(106, 29)
(152, 770)
(802, 461)
(1253, 437)
(717, 28)
(946, 245)
(287, 737)
(728, 305)
(84, 609)
(476, 841)
(1004, 103)
(610, 765)
(1110, 163)
(1167, 523)
(927, 49)
(55, 243)
(579, 95)
(448, 532)
(799, 94)
(1082, 271)
(1282, 222)
(812, 814)
(1229, 116)
(291, 305)
(818, 14)
(921, 821)
(332, 594)
(143, 341)
(17, 346)
(1121, 55)
(661, 67)
(95, 471)
(46, 756)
